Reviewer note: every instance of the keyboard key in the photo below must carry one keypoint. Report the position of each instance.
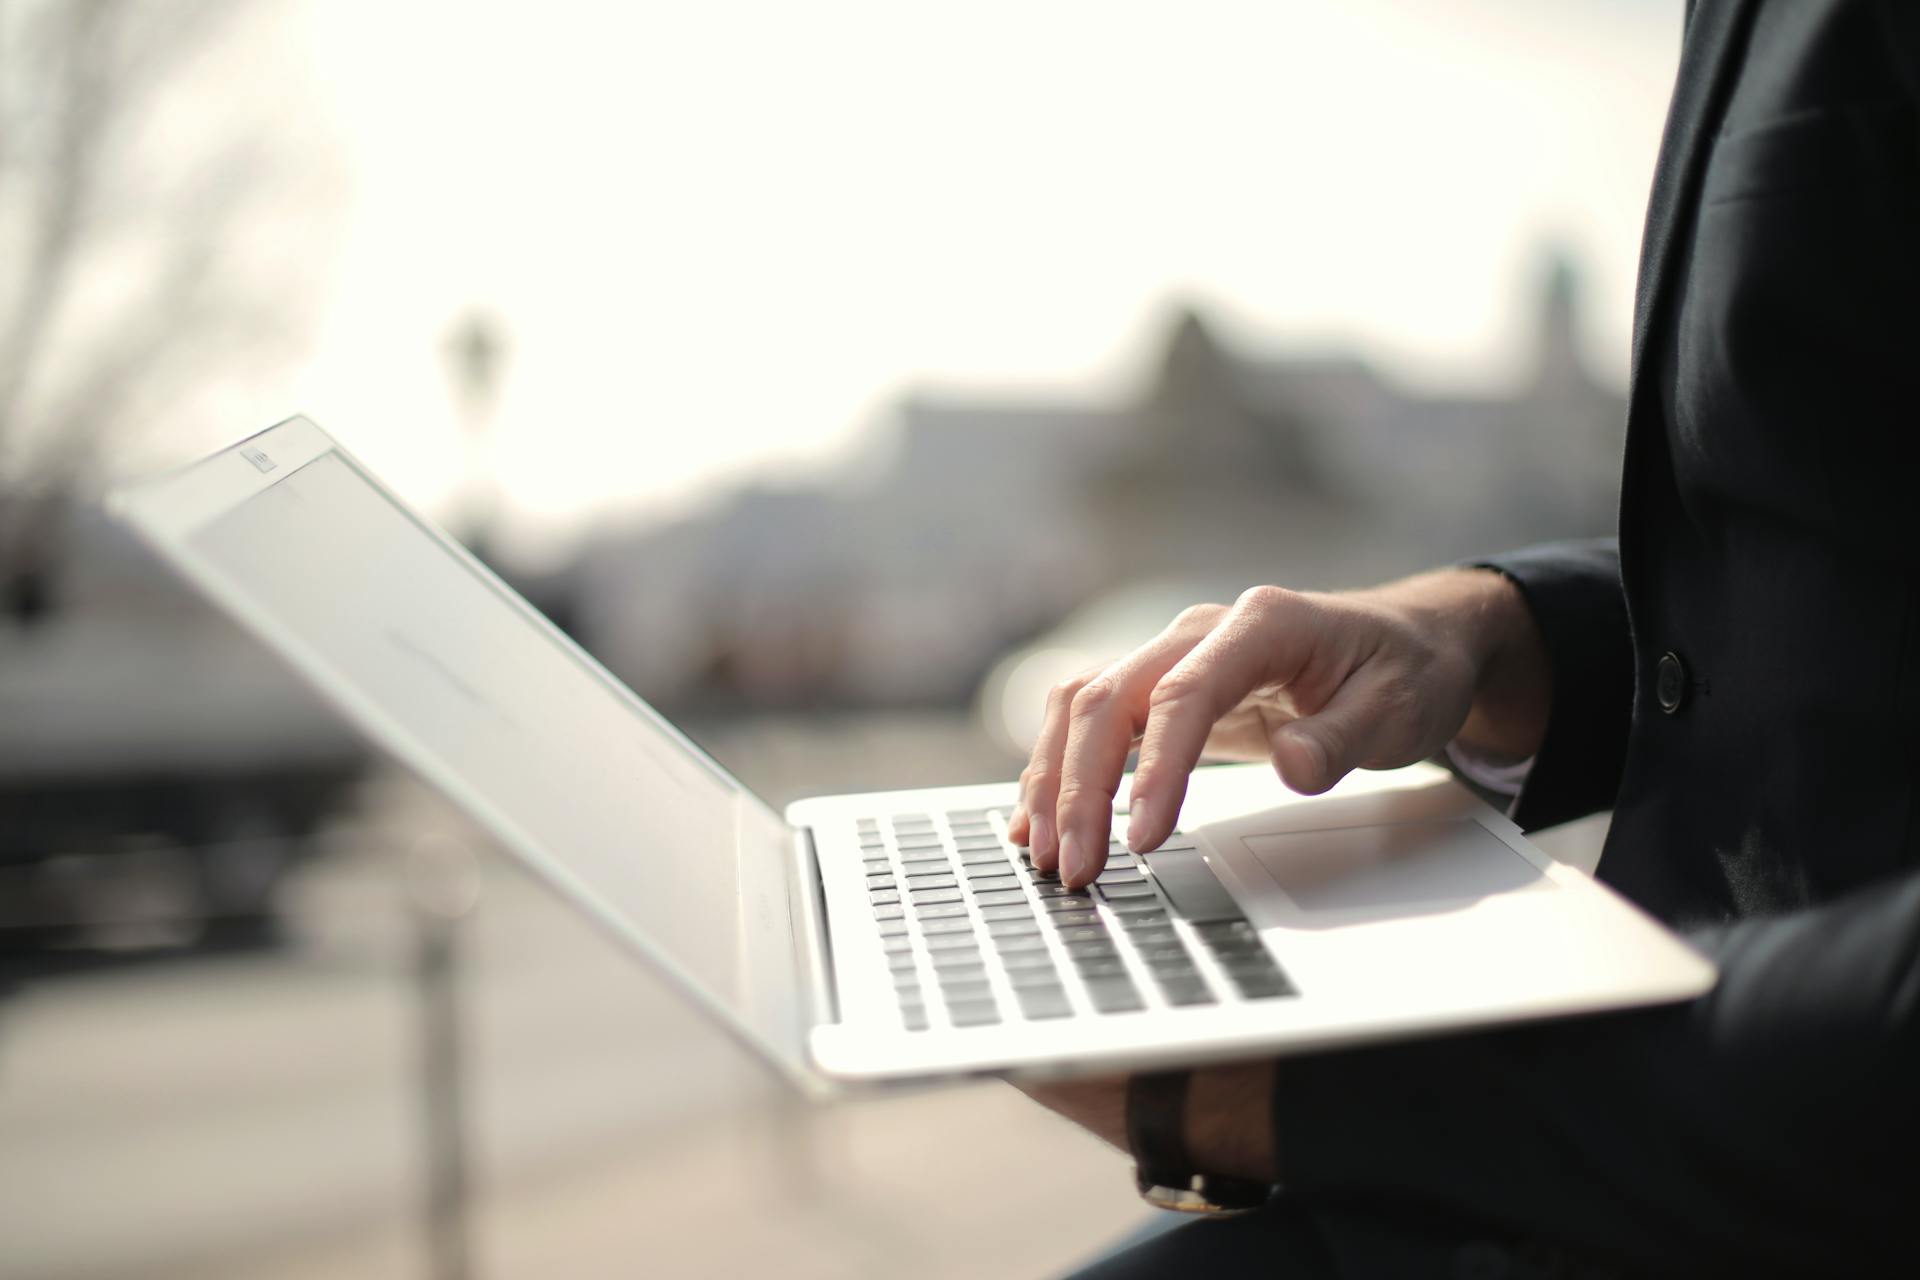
(983, 858)
(1114, 995)
(1073, 919)
(1262, 986)
(896, 943)
(930, 880)
(890, 912)
(999, 897)
(940, 911)
(1131, 889)
(994, 884)
(1071, 903)
(932, 927)
(1011, 942)
(1185, 991)
(875, 865)
(997, 869)
(966, 815)
(906, 981)
(1013, 925)
(1118, 858)
(884, 897)
(928, 843)
(1120, 875)
(920, 859)
(1057, 890)
(974, 1013)
(1093, 951)
(1100, 966)
(1044, 1004)
(1008, 910)
(1137, 908)
(1150, 932)
(1030, 959)
(1215, 930)
(901, 962)
(1084, 933)
(1165, 954)
(892, 928)
(1149, 917)
(983, 841)
(932, 897)
(880, 879)
(963, 991)
(964, 971)
(956, 951)
(1033, 977)
(915, 1018)
(1247, 966)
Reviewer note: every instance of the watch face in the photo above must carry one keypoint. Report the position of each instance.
(1215, 1197)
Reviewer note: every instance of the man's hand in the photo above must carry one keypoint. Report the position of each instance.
(1319, 684)
(1229, 1120)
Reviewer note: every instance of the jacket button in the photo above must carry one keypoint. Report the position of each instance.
(1670, 682)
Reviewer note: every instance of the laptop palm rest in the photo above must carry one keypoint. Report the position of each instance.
(1376, 872)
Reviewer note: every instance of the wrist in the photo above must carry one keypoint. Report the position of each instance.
(1512, 683)
(1229, 1121)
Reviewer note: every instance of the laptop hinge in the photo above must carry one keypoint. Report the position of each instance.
(810, 930)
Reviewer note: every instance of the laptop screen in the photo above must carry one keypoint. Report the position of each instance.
(445, 665)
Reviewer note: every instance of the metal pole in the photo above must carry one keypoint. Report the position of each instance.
(442, 888)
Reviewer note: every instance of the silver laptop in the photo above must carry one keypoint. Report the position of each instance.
(896, 935)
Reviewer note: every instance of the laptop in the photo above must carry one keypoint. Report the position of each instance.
(899, 935)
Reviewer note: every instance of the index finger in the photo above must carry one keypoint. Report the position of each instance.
(1103, 725)
(1255, 644)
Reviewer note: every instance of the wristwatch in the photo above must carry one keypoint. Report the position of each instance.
(1156, 1132)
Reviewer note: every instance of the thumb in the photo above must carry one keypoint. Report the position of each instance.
(1314, 752)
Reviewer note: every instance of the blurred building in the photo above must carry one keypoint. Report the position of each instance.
(994, 518)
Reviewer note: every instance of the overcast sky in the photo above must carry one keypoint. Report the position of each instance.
(724, 237)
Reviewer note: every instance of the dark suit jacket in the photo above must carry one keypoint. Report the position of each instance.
(1770, 541)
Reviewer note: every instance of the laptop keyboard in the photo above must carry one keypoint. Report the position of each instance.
(974, 935)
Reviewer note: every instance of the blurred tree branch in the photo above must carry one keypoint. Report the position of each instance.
(114, 242)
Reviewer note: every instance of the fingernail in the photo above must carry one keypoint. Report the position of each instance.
(1137, 824)
(1070, 863)
(1038, 835)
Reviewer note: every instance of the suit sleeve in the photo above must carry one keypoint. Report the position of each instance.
(1773, 1123)
(1574, 592)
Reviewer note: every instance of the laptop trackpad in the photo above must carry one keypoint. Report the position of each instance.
(1392, 869)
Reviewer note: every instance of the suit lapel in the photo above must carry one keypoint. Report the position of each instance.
(1707, 66)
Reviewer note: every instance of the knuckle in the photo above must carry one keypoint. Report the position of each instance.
(1076, 798)
(1093, 695)
(1041, 782)
(1174, 687)
(1196, 616)
(1061, 695)
(1264, 599)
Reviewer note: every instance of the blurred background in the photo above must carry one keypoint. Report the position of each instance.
(840, 374)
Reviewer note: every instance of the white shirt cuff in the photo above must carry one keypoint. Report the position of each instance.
(1501, 777)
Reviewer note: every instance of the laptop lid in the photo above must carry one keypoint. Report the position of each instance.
(443, 665)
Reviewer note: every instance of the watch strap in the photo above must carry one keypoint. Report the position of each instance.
(1163, 1170)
